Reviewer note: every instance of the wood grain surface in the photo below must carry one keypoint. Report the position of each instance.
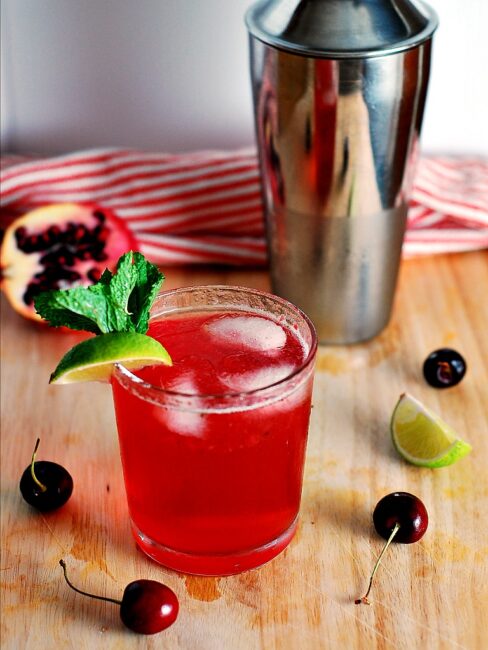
(433, 594)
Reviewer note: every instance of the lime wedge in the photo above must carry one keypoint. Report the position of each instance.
(422, 438)
(93, 359)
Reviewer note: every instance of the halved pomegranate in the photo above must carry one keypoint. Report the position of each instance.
(57, 247)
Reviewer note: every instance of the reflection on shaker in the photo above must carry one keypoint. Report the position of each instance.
(354, 189)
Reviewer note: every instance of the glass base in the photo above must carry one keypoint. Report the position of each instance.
(213, 565)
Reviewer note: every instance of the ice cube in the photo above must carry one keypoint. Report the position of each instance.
(290, 401)
(184, 383)
(254, 332)
(182, 422)
(186, 423)
(256, 378)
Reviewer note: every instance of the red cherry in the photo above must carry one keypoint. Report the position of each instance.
(399, 517)
(404, 509)
(147, 606)
(45, 485)
(444, 368)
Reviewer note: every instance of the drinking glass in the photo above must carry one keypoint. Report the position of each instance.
(214, 481)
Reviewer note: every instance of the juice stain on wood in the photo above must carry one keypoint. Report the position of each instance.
(356, 357)
(204, 589)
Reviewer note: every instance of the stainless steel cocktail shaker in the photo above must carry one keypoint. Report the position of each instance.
(339, 89)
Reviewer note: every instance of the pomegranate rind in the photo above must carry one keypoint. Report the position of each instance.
(18, 268)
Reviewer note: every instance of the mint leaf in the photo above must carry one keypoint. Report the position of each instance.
(105, 277)
(124, 281)
(118, 302)
(79, 308)
(148, 283)
(113, 318)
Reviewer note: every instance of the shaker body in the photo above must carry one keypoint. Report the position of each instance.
(337, 141)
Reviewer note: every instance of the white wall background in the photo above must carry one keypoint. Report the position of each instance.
(172, 75)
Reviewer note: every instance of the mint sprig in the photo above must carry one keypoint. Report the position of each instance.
(118, 302)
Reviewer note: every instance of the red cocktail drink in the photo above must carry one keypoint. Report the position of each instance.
(213, 447)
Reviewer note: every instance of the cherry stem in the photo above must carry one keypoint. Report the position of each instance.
(444, 370)
(364, 600)
(33, 474)
(85, 593)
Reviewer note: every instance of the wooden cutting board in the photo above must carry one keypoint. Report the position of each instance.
(433, 594)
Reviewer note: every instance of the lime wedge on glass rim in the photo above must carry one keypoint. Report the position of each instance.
(93, 359)
(422, 438)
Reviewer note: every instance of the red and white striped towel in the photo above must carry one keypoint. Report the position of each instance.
(206, 207)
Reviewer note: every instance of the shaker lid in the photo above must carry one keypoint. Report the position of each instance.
(341, 28)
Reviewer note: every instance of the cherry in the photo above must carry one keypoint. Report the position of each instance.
(45, 485)
(444, 368)
(147, 606)
(399, 517)
(404, 509)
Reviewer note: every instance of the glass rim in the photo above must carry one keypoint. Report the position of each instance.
(139, 383)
